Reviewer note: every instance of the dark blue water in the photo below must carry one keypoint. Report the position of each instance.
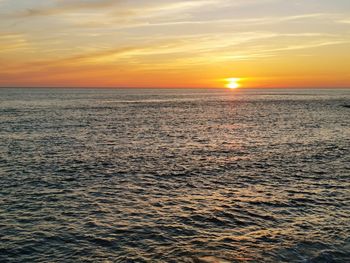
(174, 175)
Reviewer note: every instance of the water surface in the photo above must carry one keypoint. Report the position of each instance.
(174, 175)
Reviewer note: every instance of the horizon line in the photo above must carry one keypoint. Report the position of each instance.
(120, 87)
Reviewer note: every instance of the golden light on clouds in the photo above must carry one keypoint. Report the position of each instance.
(174, 43)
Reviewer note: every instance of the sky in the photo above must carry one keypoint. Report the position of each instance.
(167, 43)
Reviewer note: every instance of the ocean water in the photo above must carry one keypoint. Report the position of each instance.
(98, 175)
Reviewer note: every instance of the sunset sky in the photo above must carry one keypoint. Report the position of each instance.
(164, 43)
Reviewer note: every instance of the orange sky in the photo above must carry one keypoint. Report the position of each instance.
(139, 43)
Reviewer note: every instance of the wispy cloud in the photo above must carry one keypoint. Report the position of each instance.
(344, 21)
(76, 36)
(12, 42)
(66, 7)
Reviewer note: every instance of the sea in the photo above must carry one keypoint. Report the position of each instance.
(174, 175)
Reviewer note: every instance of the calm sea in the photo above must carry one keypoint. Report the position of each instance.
(96, 175)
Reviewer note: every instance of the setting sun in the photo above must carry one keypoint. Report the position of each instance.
(233, 83)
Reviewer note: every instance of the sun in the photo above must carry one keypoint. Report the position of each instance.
(233, 83)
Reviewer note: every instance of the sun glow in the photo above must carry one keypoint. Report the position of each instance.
(233, 83)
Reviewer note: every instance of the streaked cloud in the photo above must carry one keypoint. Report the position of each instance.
(63, 6)
(146, 38)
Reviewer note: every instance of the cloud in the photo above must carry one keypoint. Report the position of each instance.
(66, 7)
(344, 21)
(187, 51)
(12, 42)
(124, 7)
(160, 35)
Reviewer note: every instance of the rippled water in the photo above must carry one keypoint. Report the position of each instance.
(174, 175)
